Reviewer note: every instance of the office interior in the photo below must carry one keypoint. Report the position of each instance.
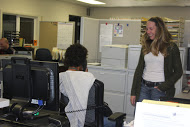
(55, 11)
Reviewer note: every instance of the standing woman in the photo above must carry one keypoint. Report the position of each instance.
(159, 65)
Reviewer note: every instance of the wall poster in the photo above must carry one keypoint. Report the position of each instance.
(118, 30)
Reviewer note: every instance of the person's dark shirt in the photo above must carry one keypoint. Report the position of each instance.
(8, 51)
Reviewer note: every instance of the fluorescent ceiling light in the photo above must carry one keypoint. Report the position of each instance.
(91, 1)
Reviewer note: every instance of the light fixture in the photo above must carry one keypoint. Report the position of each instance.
(91, 1)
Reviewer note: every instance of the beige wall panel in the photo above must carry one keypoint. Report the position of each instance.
(1, 16)
(48, 35)
(90, 36)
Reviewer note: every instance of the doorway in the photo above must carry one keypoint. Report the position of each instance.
(77, 20)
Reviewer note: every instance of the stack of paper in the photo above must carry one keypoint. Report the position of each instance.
(4, 102)
(161, 114)
(174, 104)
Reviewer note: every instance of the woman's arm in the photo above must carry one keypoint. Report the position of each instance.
(137, 78)
(176, 70)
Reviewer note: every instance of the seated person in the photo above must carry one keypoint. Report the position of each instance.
(75, 83)
(4, 47)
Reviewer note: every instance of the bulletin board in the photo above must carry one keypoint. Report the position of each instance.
(124, 31)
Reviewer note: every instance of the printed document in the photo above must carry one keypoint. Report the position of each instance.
(154, 115)
(106, 31)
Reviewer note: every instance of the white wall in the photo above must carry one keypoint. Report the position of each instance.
(49, 10)
(138, 12)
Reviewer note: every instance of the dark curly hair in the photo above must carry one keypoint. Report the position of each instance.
(75, 55)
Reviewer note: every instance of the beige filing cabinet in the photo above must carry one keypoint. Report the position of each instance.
(114, 56)
(133, 59)
(114, 85)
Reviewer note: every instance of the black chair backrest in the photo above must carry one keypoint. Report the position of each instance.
(43, 54)
(94, 116)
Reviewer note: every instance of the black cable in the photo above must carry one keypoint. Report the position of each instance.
(39, 108)
(88, 108)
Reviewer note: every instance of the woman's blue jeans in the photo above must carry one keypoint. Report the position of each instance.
(108, 123)
(150, 93)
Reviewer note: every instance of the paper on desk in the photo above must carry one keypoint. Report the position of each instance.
(95, 64)
(4, 102)
(118, 46)
(174, 104)
(153, 115)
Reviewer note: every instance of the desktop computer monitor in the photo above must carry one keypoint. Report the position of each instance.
(45, 82)
(41, 82)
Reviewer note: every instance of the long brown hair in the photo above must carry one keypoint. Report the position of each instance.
(162, 38)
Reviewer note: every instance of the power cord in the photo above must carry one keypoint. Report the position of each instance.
(32, 114)
(88, 108)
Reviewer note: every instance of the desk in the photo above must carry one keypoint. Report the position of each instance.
(180, 98)
(183, 96)
(39, 122)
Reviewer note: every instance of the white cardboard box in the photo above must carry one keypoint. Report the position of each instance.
(114, 56)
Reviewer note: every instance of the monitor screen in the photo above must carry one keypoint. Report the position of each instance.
(43, 79)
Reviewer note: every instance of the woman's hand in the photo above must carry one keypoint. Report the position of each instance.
(156, 87)
(133, 100)
(86, 70)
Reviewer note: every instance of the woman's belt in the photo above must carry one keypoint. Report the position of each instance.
(151, 84)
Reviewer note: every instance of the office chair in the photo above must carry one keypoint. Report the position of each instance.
(95, 108)
(43, 54)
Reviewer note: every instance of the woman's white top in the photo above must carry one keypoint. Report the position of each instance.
(76, 86)
(154, 68)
